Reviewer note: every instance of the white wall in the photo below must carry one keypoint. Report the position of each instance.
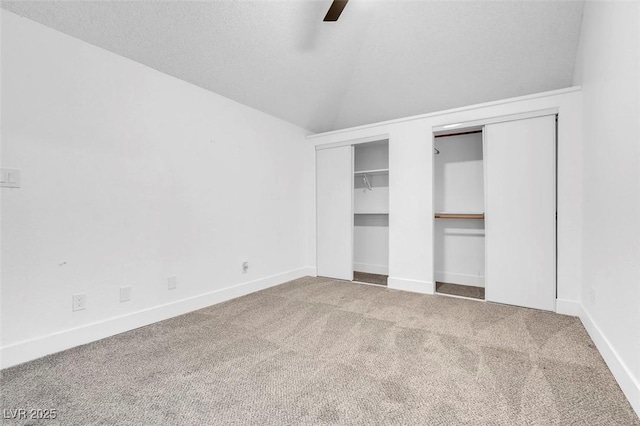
(411, 226)
(608, 68)
(458, 174)
(459, 252)
(130, 176)
(371, 246)
(371, 156)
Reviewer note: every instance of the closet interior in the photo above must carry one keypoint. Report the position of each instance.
(371, 212)
(459, 206)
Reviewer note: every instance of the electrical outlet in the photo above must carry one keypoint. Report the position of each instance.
(79, 302)
(245, 267)
(125, 294)
(10, 178)
(172, 283)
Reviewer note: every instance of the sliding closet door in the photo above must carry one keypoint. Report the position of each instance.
(520, 212)
(334, 187)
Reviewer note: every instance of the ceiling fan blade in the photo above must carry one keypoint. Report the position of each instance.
(335, 10)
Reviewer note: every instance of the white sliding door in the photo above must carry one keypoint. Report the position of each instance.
(520, 212)
(334, 211)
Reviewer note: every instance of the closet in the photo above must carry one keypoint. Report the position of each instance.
(459, 232)
(495, 211)
(352, 202)
(371, 212)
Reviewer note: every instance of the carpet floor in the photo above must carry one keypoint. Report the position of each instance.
(460, 290)
(317, 351)
(365, 277)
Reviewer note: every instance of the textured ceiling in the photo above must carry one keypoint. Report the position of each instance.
(381, 60)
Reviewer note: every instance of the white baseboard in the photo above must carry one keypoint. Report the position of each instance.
(310, 271)
(568, 307)
(27, 350)
(628, 383)
(371, 269)
(464, 279)
(415, 286)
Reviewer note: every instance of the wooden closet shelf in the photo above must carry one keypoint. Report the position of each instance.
(459, 216)
(372, 172)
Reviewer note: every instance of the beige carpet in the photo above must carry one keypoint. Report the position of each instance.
(315, 351)
(460, 290)
(365, 277)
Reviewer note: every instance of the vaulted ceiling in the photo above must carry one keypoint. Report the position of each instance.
(381, 60)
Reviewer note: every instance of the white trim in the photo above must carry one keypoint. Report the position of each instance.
(311, 271)
(371, 269)
(485, 189)
(415, 286)
(621, 372)
(357, 141)
(462, 279)
(568, 307)
(30, 349)
(450, 111)
(465, 125)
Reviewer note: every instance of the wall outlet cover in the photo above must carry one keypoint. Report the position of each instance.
(172, 283)
(79, 302)
(125, 294)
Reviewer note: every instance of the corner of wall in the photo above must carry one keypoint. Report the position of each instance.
(621, 372)
(568, 307)
(610, 156)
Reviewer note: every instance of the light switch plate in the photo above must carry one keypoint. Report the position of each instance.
(9, 178)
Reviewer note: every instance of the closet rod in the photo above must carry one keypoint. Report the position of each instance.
(458, 134)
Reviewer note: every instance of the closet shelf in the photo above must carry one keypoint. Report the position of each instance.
(459, 216)
(373, 172)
